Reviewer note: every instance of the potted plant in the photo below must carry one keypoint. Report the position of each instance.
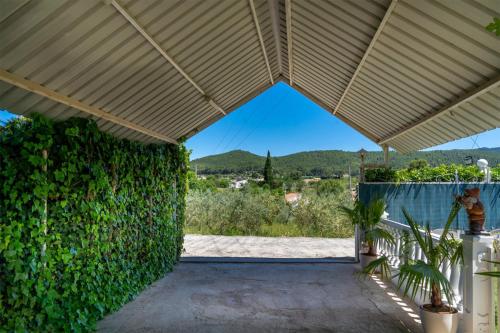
(367, 218)
(425, 277)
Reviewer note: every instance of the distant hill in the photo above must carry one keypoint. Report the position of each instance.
(331, 162)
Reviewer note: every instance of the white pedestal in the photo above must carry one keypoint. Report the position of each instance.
(479, 312)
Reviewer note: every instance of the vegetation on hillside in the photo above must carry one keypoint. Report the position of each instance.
(215, 206)
(260, 211)
(330, 163)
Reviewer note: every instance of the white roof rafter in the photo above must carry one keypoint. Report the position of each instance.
(38, 89)
(367, 53)
(483, 89)
(275, 21)
(409, 74)
(157, 46)
(288, 8)
(261, 40)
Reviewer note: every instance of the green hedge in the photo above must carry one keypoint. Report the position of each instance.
(442, 173)
(380, 175)
(85, 229)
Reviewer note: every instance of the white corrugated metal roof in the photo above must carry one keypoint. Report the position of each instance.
(409, 74)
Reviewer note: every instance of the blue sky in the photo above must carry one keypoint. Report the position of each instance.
(285, 122)
(4, 116)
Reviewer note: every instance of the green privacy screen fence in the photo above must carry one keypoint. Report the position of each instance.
(86, 222)
(431, 202)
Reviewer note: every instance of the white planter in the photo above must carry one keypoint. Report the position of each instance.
(365, 259)
(439, 322)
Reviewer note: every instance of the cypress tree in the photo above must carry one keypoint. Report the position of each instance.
(268, 170)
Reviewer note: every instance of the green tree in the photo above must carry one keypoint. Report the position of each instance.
(268, 170)
(418, 164)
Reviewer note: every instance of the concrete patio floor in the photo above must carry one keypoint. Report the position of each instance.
(267, 247)
(202, 297)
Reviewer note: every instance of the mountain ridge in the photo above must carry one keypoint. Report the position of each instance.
(332, 162)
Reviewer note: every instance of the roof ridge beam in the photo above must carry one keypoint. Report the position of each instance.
(375, 37)
(289, 41)
(165, 55)
(38, 89)
(261, 40)
(467, 97)
(275, 19)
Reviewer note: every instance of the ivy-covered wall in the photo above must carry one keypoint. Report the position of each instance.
(87, 221)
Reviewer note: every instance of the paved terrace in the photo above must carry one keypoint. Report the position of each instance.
(267, 247)
(265, 297)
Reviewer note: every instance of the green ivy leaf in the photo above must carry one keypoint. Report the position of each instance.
(494, 26)
(89, 233)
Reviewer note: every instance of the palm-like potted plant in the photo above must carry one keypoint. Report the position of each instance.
(367, 219)
(424, 277)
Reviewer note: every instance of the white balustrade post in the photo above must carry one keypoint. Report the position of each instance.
(478, 304)
(357, 240)
(397, 254)
(455, 285)
(418, 252)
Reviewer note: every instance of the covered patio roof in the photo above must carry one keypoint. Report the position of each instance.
(407, 74)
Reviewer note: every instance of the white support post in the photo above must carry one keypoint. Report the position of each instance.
(386, 155)
(478, 301)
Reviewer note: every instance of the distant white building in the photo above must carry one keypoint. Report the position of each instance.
(238, 183)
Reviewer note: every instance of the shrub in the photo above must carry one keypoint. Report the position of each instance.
(257, 211)
(442, 173)
(380, 175)
(321, 216)
(495, 174)
(330, 186)
(232, 212)
(418, 164)
(86, 222)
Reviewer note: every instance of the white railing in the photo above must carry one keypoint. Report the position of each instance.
(475, 296)
(494, 254)
(396, 255)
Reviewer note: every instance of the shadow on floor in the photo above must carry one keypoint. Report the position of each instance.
(234, 297)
